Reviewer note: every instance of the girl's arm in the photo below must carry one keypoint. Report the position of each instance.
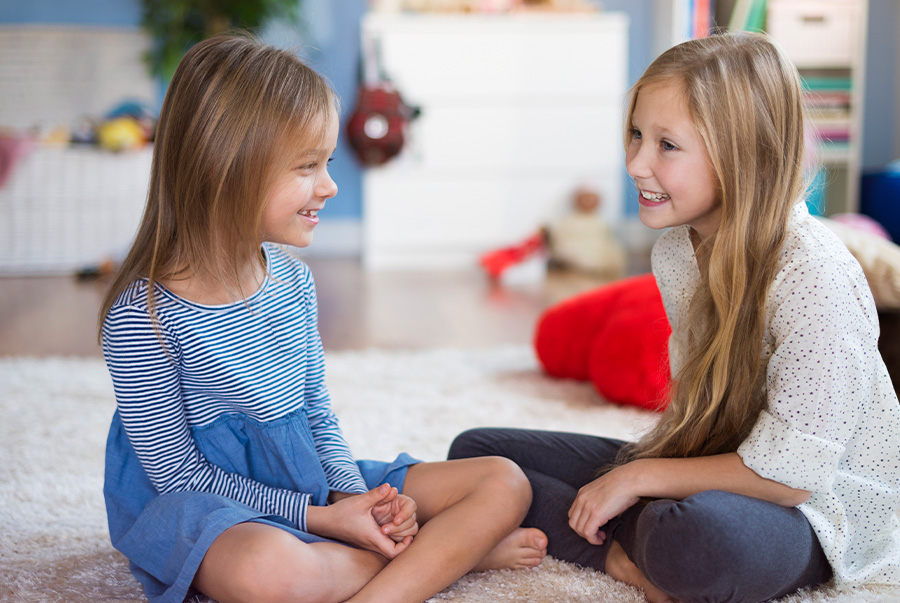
(617, 490)
(148, 395)
(340, 468)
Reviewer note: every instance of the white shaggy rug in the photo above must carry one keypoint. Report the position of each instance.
(54, 414)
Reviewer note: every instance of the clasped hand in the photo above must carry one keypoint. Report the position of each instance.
(599, 501)
(381, 520)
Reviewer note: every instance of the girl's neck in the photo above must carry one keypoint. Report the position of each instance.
(204, 286)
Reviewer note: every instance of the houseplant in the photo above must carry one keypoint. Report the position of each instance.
(175, 25)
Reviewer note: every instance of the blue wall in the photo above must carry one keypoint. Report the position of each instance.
(331, 45)
(880, 113)
(89, 12)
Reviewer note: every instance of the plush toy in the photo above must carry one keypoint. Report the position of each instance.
(583, 242)
(121, 134)
(497, 261)
(616, 337)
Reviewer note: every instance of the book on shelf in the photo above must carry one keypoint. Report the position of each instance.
(827, 83)
(748, 15)
(827, 99)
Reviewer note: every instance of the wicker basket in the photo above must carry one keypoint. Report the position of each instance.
(65, 209)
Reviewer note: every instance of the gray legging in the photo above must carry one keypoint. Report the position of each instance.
(714, 546)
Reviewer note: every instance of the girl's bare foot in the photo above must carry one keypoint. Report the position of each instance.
(521, 549)
(620, 567)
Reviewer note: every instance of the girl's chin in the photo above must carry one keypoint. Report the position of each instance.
(651, 221)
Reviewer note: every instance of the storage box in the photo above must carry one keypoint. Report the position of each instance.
(880, 200)
(64, 209)
(815, 34)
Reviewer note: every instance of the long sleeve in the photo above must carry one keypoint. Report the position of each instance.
(148, 392)
(341, 470)
(819, 376)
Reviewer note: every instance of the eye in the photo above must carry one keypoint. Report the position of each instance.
(668, 146)
(330, 159)
(635, 133)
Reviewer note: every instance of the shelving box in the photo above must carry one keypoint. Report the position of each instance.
(816, 33)
(825, 39)
(65, 209)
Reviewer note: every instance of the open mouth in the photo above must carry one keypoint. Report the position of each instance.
(655, 196)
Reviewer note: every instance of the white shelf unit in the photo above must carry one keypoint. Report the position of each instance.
(826, 40)
(65, 209)
(516, 112)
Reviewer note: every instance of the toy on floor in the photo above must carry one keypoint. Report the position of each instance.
(580, 242)
(496, 262)
(583, 242)
(616, 337)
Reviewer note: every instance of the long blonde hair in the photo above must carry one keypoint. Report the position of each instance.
(744, 98)
(234, 112)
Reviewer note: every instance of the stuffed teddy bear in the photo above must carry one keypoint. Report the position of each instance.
(583, 242)
(615, 336)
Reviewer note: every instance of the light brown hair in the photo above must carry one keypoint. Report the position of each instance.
(235, 112)
(744, 98)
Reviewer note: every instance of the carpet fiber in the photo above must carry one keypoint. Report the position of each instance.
(54, 414)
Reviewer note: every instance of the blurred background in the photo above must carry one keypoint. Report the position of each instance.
(480, 158)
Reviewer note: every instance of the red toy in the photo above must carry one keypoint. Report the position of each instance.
(616, 337)
(496, 261)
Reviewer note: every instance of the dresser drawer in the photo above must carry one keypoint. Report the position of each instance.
(412, 218)
(523, 138)
(439, 58)
(816, 34)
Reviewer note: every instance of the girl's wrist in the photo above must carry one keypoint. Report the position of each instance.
(639, 481)
(335, 496)
(318, 519)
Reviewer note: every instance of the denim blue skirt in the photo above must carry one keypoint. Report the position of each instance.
(165, 537)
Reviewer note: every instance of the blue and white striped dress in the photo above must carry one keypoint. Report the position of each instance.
(223, 417)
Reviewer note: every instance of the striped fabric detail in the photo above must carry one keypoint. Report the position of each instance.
(261, 358)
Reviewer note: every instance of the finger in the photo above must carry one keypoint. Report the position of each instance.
(377, 496)
(404, 512)
(392, 549)
(393, 529)
(410, 529)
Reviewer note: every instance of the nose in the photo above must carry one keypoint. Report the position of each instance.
(326, 187)
(637, 160)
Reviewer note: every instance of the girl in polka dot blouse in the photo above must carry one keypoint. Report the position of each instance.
(776, 465)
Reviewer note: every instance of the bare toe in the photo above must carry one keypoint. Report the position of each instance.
(521, 549)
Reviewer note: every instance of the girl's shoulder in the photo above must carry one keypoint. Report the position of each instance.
(286, 266)
(811, 244)
(815, 266)
(133, 295)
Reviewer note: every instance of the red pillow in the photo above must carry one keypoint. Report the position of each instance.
(615, 336)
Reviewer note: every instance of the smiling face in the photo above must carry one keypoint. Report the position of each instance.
(669, 162)
(299, 192)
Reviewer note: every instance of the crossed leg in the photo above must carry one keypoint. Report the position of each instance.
(469, 512)
(258, 562)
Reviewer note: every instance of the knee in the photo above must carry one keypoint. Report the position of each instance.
(469, 444)
(505, 481)
(688, 548)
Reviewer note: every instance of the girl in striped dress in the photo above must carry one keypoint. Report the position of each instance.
(226, 470)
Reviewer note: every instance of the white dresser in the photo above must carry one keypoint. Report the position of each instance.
(517, 111)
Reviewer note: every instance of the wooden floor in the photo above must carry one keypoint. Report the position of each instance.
(45, 316)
